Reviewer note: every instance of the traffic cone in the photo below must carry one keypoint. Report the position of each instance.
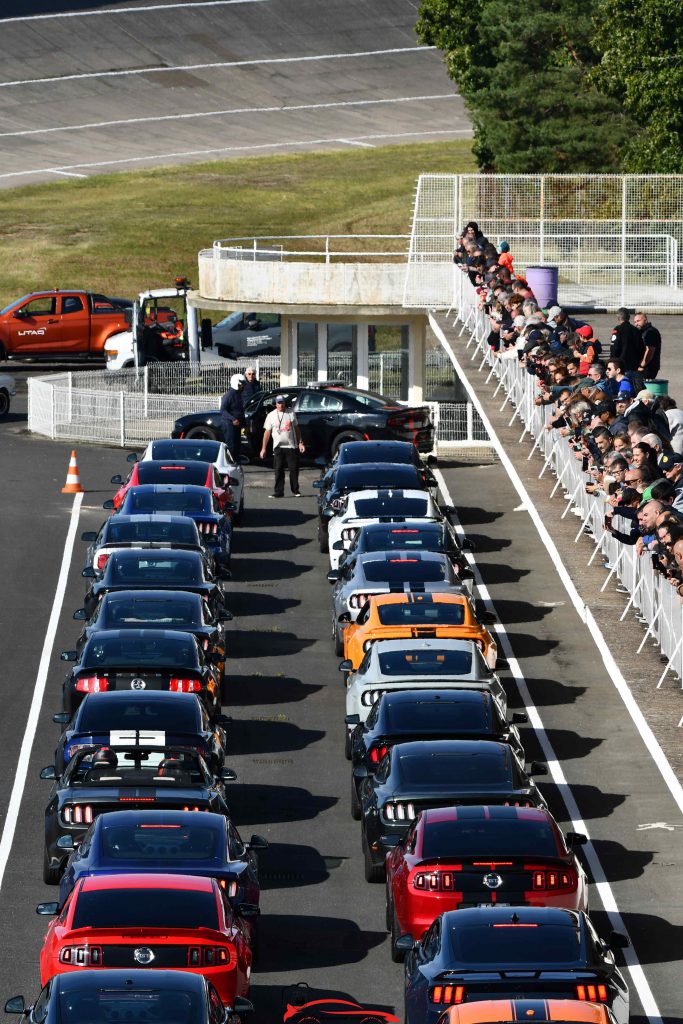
(73, 483)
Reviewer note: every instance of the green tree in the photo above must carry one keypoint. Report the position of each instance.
(641, 42)
(524, 72)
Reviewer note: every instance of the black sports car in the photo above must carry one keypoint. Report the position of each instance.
(410, 534)
(329, 413)
(411, 715)
(362, 477)
(523, 953)
(135, 996)
(119, 532)
(161, 569)
(138, 660)
(129, 777)
(143, 717)
(438, 773)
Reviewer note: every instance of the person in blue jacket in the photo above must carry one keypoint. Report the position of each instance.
(232, 412)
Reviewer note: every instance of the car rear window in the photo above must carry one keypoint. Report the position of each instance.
(515, 944)
(160, 843)
(139, 651)
(391, 505)
(360, 452)
(398, 537)
(162, 473)
(135, 712)
(145, 908)
(467, 769)
(425, 663)
(151, 533)
(449, 715)
(404, 570)
(150, 568)
(492, 838)
(167, 501)
(161, 611)
(202, 451)
(104, 1005)
(421, 613)
(383, 475)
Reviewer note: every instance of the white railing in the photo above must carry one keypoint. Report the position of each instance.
(649, 593)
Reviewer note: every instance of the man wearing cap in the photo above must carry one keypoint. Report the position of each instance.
(281, 424)
(671, 465)
(627, 342)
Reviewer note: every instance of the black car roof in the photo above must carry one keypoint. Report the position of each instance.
(135, 554)
(393, 698)
(87, 981)
(139, 596)
(368, 470)
(171, 445)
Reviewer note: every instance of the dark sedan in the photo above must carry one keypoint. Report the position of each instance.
(141, 659)
(329, 414)
(412, 715)
(106, 778)
(411, 534)
(141, 716)
(365, 476)
(439, 773)
(121, 532)
(177, 842)
(523, 953)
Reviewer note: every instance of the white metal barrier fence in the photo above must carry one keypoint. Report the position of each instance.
(655, 600)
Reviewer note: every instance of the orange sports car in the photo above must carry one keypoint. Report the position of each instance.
(411, 616)
(531, 1011)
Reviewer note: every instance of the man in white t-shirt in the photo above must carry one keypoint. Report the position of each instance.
(281, 424)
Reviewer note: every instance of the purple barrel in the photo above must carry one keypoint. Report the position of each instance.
(543, 282)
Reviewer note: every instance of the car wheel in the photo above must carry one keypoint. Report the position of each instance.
(323, 539)
(4, 402)
(347, 744)
(51, 875)
(397, 955)
(345, 435)
(202, 433)
(355, 802)
(373, 872)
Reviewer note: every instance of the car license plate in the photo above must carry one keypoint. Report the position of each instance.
(493, 905)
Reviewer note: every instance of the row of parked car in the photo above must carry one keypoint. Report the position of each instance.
(486, 898)
(151, 868)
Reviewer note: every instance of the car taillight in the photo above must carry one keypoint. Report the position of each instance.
(230, 887)
(81, 956)
(178, 685)
(92, 684)
(447, 994)
(592, 993)
(208, 529)
(102, 560)
(436, 881)
(480, 644)
(78, 814)
(349, 532)
(208, 956)
(367, 645)
(369, 697)
(187, 807)
(518, 803)
(377, 753)
(551, 880)
(399, 811)
(358, 600)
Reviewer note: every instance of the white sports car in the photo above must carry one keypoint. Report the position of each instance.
(7, 391)
(364, 507)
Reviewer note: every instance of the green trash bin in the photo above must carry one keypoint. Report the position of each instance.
(658, 387)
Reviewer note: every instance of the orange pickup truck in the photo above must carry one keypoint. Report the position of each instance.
(61, 325)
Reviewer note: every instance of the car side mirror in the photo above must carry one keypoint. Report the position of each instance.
(226, 616)
(242, 1005)
(487, 618)
(247, 910)
(329, 513)
(47, 909)
(233, 480)
(344, 617)
(132, 457)
(333, 575)
(68, 656)
(15, 1005)
(519, 717)
(118, 479)
(61, 718)
(257, 842)
(352, 719)
(617, 940)
(575, 839)
(89, 536)
(228, 775)
(466, 544)
(88, 573)
(538, 768)
(405, 943)
(224, 720)
(48, 772)
(360, 772)
(66, 843)
(108, 504)
(317, 484)
(389, 842)
(80, 614)
(338, 546)
(226, 574)
(346, 665)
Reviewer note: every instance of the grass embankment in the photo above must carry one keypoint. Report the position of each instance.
(122, 233)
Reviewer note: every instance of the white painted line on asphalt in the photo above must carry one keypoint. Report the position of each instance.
(584, 612)
(71, 174)
(233, 110)
(19, 785)
(252, 62)
(128, 10)
(603, 887)
(354, 142)
(233, 149)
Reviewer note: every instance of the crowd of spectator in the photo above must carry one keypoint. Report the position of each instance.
(628, 438)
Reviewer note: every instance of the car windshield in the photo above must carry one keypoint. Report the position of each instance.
(404, 570)
(145, 532)
(391, 505)
(425, 663)
(109, 1005)
(419, 613)
(160, 843)
(145, 908)
(189, 450)
(230, 320)
(164, 473)
(13, 303)
(371, 398)
(167, 501)
(388, 537)
(351, 478)
(179, 651)
(490, 838)
(468, 769)
(136, 712)
(444, 714)
(132, 611)
(507, 943)
(151, 568)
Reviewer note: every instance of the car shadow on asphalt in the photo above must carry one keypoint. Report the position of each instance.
(266, 643)
(620, 863)
(255, 804)
(501, 573)
(251, 542)
(483, 543)
(271, 569)
(292, 942)
(271, 1001)
(288, 865)
(248, 602)
(655, 940)
(249, 690)
(593, 802)
(526, 645)
(550, 692)
(520, 611)
(568, 744)
(247, 736)
(471, 515)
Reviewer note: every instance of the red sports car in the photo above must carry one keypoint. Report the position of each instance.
(203, 474)
(457, 857)
(157, 921)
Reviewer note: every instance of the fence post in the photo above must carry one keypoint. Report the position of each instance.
(70, 407)
(541, 224)
(623, 238)
(53, 392)
(146, 388)
(470, 422)
(122, 417)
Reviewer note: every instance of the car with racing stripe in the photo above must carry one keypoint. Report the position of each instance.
(121, 533)
(230, 471)
(199, 474)
(388, 533)
(541, 1011)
